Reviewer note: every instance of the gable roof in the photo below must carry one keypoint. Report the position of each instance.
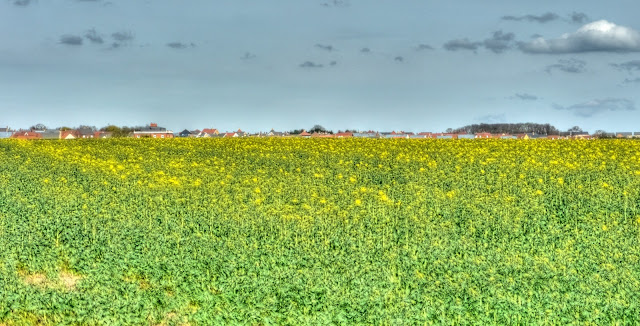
(26, 135)
(210, 131)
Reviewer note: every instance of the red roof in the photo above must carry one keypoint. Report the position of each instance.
(210, 131)
(66, 133)
(304, 133)
(26, 135)
(322, 135)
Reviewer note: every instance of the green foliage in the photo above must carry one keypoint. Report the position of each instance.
(319, 232)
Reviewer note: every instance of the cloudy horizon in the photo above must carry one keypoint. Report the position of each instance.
(342, 64)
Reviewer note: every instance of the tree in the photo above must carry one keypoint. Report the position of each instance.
(39, 127)
(64, 128)
(317, 128)
(116, 131)
(92, 128)
(509, 128)
(602, 134)
(575, 129)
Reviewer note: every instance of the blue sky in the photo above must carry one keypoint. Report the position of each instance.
(386, 65)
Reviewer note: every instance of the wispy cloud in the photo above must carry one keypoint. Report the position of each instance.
(310, 64)
(365, 50)
(180, 45)
(462, 44)
(93, 36)
(499, 42)
(524, 97)
(631, 80)
(597, 106)
(492, 118)
(22, 3)
(248, 56)
(629, 66)
(599, 36)
(544, 18)
(572, 65)
(399, 59)
(578, 17)
(336, 3)
(71, 40)
(124, 36)
(424, 47)
(325, 47)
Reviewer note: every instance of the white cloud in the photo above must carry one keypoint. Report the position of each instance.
(599, 36)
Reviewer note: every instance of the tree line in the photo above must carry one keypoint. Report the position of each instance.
(509, 128)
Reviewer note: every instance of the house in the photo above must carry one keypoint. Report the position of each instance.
(394, 134)
(241, 133)
(208, 133)
(344, 135)
(579, 135)
(259, 134)
(483, 135)
(304, 134)
(26, 135)
(426, 134)
(184, 134)
(531, 135)
(366, 134)
(582, 136)
(51, 134)
(624, 134)
(102, 134)
(322, 135)
(274, 133)
(636, 134)
(507, 136)
(69, 134)
(153, 131)
(453, 135)
(85, 132)
(444, 136)
(230, 135)
(5, 132)
(554, 137)
(466, 136)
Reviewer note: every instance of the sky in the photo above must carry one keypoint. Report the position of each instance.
(412, 65)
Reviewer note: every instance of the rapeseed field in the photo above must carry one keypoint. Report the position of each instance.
(319, 232)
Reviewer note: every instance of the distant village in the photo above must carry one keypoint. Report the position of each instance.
(154, 131)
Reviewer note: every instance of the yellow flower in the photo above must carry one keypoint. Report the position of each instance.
(358, 202)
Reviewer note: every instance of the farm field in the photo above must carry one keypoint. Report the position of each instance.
(319, 232)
